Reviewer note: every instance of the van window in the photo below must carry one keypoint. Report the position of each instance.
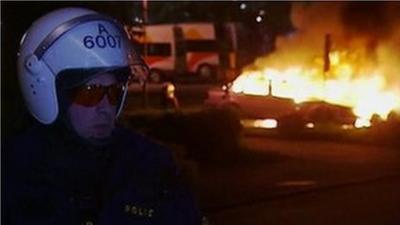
(159, 49)
(155, 49)
(201, 46)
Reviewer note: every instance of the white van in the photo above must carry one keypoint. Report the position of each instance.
(182, 49)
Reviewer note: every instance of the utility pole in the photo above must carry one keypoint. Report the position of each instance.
(327, 62)
(269, 87)
(327, 50)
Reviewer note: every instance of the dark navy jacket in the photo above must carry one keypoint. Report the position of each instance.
(50, 179)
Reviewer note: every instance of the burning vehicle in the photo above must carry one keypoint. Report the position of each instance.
(250, 106)
(327, 71)
(270, 111)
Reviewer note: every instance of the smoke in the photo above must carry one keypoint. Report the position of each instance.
(368, 20)
(388, 49)
(367, 29)
(306, 43)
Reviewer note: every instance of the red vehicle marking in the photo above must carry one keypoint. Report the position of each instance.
(150, 60)
(194, 58)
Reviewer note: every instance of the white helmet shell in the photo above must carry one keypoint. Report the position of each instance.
(69, 38)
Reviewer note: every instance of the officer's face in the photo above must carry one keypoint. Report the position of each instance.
(94, 121)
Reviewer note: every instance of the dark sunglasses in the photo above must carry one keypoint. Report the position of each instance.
(91, 95)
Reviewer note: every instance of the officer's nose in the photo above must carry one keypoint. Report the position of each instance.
(104, 106)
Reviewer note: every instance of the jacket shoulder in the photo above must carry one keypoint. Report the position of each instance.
(24, 149)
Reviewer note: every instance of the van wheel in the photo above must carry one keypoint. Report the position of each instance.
(205, 72)
(155, 76)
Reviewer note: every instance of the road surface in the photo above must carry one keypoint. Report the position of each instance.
(303, 182)
(368, 203)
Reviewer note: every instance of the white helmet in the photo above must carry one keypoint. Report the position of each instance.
(65, 40)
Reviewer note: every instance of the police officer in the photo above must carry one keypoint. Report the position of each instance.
(78, 166)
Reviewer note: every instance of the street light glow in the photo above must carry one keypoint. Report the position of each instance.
(243, 6)
(258, 19)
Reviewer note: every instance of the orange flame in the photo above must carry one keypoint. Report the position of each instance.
(367, 94)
